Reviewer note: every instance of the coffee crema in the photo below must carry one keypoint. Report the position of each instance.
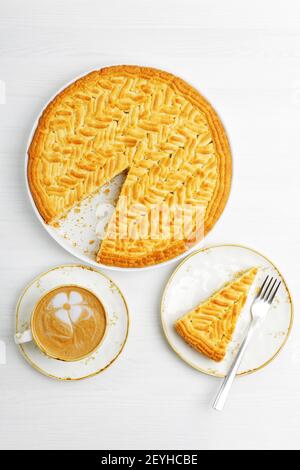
(68, 323)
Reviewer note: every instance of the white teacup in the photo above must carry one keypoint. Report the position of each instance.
(67, 323)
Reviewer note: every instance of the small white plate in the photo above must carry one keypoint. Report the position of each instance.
(77, 231)
(117, 330)
(204, 272)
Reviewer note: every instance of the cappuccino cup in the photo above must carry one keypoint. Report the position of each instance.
(67, 323)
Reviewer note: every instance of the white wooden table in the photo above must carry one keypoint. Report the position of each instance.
(245, 58)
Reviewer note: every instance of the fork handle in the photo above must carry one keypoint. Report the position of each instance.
(226, 386)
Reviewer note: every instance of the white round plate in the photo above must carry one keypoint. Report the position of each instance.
(77, 231)
(204, 272)
(117, 330)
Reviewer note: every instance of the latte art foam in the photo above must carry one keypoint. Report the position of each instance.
(69, 322)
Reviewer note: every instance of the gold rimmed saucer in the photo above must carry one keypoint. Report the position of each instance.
(117, 314)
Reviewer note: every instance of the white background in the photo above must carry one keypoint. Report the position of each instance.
(245, 58)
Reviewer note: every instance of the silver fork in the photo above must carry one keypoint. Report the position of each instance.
(259, 309)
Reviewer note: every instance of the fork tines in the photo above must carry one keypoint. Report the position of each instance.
(268, 289)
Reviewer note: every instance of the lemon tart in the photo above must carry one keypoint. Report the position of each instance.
(146, 122)
(209, 327)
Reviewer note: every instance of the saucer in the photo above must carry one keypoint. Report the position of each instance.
(204, 272)
(117, 328)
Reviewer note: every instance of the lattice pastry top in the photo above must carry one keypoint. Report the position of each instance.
(210, 326)
(150, 123)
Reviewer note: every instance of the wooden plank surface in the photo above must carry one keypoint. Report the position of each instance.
(245, 58)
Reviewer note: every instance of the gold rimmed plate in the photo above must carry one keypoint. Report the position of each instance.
(117, 314)
(204, 272)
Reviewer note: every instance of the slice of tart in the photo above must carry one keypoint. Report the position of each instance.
(209, 327)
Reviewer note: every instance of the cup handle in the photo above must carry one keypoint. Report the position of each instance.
(24, 337)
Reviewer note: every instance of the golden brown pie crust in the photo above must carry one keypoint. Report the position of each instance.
(141, 119)
(209, 327)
